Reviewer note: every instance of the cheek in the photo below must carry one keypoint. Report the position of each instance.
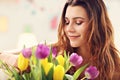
(80, 30)
(83, 33)
(83, 30)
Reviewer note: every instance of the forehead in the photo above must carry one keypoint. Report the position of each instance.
(76, 11)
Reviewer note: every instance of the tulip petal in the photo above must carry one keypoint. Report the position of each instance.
(59, 73)
(60, 60)
(27, 52)
(42, 51)
(75, 60)
(22, 62)
(54, 52)
(91, 72)
(48, 67)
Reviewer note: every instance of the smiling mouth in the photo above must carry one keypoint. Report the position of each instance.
(73, 37)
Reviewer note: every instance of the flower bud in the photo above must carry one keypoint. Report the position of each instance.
(27, 52)
(44, 62)
(59, 73)
(75, 60)
(42, 51)
(91, 72)
(48, 67)
(60, 60)
(22, 62)
(54, 52)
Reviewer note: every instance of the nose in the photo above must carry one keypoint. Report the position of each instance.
(70, 28)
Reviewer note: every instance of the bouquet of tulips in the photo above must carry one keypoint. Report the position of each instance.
(43, 63)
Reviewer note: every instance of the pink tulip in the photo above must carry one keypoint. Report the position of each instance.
(27, 52)
(54, 52)
(42, 51)
(91, 72)
(75, 60)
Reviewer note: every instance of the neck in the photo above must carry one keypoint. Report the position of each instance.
(84, 52)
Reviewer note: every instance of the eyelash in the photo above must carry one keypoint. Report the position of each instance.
(78, 23)
(66, 23)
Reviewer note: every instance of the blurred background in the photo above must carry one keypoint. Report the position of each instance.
(29, 22)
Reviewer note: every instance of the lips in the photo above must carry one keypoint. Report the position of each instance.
(73, 36)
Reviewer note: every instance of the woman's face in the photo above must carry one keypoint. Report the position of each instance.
(76, 25)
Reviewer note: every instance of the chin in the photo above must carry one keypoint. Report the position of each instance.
(74, 44)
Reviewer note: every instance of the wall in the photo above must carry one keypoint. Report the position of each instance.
(42, 17)
(114, 14)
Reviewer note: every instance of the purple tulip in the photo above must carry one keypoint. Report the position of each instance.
(27, 52)
(54, 52)
(42, 51)
(75, 60)
(91, 72)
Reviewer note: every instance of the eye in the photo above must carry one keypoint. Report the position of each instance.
(66, 22)
(79, 22)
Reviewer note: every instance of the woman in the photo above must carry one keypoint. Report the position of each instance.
(85, 28)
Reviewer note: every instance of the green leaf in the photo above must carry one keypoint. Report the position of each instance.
(26, 76)
(50, 74)
(68, 67)
(10, 71)
(67, 64)
(50, 55)
(79, 71)
(43, 73)
(55, 61)
(65, 78)
(68, 77)
(36, 73)
(34, 50)
(65, 56)
(16, 75)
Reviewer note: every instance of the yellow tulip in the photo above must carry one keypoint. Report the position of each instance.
(22, 62)
(61, 60)
(48, 67)
(44, 62)
(59, 73)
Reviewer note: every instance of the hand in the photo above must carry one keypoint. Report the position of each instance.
(8, 58)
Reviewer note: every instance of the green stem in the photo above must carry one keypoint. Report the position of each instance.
(83, 78)
(68, 68)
